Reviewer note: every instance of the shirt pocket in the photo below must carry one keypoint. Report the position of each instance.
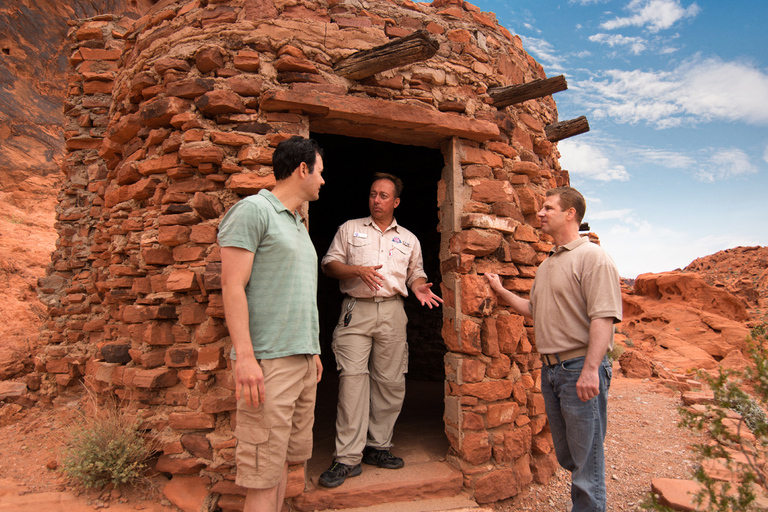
(359, 251)
(398, 260)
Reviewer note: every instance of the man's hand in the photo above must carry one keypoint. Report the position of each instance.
(319, 365)
(588, 385)
(249, 382)
(423, 292)
(495, 281)
(370, 277)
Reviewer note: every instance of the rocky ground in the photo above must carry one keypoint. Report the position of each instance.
(643, 442)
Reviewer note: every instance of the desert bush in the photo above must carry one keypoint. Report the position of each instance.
(106, 446)
(745, 392)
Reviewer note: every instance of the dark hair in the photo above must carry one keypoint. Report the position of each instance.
(391, 177)
(290, 154)
(570, 198)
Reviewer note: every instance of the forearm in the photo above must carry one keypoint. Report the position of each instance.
(339, 270)
(237, 317)
(600, 335)
(520, 305)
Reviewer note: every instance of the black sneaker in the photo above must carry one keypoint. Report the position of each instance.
(382, 458)
(338, 472)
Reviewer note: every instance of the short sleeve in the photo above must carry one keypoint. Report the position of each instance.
(243, 226)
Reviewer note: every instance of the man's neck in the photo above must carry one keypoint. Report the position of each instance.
(287, 195)
(383, 225)
(565, 238)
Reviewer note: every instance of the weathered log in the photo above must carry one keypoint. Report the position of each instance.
(504, 96)
(405, 50)
(565, 129)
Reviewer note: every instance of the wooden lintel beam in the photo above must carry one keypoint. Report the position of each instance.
(412, 48)
(565, 129)
(505, 96)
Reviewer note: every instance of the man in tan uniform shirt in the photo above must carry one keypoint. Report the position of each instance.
(376, 261)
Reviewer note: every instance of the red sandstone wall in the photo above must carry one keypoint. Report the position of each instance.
(173, 118)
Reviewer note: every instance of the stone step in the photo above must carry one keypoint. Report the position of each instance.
(376, 486)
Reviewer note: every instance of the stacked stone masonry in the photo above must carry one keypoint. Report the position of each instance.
(173, 117)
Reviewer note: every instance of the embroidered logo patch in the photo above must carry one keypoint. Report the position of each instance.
(397, 240)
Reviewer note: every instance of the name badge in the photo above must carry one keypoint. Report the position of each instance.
(360, 235)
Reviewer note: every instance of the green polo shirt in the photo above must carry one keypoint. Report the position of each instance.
(282, 290)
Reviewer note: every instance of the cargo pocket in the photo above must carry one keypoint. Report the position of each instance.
(252, 443)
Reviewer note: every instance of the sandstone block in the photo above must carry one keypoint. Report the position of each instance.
(219, 401)
(156, 378)
(189, 88)
(159, 333)
(501, 414)
(475, 241)
(476, 447)
(173, 235)
(245, 86)
(467, 341)
(208, 59)
(196, 155)
(479, 220)
(490, 391)
(247, 60)
(191, 421)
(499, 367)
(247, 184)
(188, 493)
(186, 254)
(178, 465)
(180, 357)
(204, 233)
(471, 155)
(476, 296)
(487, 191)
(181, 281)
(510, 330)
(220, 101)
(159, 111)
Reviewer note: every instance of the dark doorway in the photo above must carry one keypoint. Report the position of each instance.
(349, 165)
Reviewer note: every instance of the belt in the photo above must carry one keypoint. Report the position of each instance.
(374, 299)
(553, 359)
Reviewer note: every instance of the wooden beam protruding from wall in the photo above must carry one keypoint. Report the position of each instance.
(565, 129)
(415, 47)
(505, 96)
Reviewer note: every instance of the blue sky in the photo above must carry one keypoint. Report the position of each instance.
(675, 165)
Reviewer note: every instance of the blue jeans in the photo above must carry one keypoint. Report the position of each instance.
(578, 430)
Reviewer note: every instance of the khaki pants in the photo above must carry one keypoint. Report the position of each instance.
(372, 358)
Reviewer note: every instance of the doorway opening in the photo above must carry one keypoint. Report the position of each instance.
(349, 165)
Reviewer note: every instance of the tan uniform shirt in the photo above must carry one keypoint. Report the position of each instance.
(577, 283)
(361, 242)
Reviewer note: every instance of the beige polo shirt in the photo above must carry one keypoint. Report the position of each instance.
(576, 283)
(361, 242)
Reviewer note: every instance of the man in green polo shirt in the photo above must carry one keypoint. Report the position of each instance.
(269, 289)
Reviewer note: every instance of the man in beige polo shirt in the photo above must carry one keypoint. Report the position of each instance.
(574, 302)
(376, 261)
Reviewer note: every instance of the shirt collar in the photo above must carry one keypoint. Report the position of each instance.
(369, 222)
(277, 204)
(570, 245)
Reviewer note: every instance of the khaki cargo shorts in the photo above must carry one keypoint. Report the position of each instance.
(280, 429)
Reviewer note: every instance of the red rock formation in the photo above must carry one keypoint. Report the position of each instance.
(696, 318)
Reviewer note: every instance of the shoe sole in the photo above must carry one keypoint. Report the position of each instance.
(372, 462)
(357, 471)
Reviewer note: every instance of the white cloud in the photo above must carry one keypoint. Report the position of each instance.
(636, 44)
(724, 164)
(589, 161)
(638, 246)
(544, 52)
(697, 91)
(654, 15)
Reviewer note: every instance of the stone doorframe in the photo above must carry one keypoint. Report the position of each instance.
(411, 125)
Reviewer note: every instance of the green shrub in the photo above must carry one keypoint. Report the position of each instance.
(106, 447)
(745, 392)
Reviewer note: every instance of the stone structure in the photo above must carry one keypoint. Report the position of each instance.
(173, 117)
